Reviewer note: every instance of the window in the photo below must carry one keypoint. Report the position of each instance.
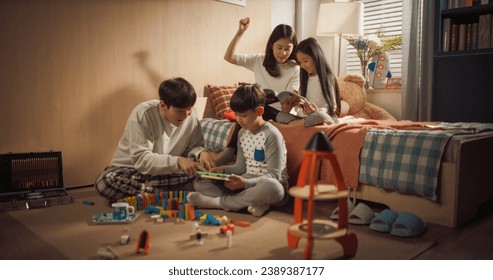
(384, 16)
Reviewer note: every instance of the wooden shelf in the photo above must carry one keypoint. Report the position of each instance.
(325, 192)
(462, 75)
(332, 230)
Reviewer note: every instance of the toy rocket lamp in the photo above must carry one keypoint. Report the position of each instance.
(319, 142)
(308, 189)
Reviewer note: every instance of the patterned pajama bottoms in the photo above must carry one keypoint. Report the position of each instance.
(119, 182)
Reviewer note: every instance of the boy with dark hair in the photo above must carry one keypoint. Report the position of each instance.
(160, 145)
(261, 162)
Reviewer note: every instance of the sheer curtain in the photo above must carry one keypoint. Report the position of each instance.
(417, 59)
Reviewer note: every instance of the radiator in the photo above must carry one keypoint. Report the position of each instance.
(31, 180)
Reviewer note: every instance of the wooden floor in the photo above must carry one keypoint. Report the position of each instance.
(473, 241)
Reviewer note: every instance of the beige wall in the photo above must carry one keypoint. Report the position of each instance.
(71, 71)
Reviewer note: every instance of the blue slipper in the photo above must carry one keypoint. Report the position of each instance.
(384, 220)
(408, 225)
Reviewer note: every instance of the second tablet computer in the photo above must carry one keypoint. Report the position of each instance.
(213, 176)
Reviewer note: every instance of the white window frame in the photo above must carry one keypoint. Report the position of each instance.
(384, 16)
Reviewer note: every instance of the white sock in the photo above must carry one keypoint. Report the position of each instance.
(258, 210)
(204, 201)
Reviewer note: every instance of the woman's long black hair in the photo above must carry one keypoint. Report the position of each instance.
(282, 31)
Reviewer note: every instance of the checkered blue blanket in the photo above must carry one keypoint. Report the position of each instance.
(404, 161)
(216, 133)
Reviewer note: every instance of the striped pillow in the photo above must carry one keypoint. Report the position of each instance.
(220, 97)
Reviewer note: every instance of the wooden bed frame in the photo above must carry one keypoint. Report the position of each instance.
(464, 185)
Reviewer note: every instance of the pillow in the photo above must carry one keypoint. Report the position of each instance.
(216, 133)
(230, 116)
(220, 97)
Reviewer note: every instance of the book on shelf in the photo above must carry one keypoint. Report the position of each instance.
(474, 37)
(454, 30)
(469, 36)
(446, 35)
(491, 31)
(462, 37)
(484, 31)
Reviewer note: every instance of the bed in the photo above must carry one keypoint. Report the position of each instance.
(445, 166)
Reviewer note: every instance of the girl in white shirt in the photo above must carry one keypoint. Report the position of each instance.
(317, 84)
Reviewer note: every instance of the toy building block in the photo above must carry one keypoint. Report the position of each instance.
(224, 220)
(191, 211)
(88, 202)
(241, 223)
(229, 234)
(193, 236)
(143, 244)
(226, 228)
(209, 219)
(198, 237)
(125, 238)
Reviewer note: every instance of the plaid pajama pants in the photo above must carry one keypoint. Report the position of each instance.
(119, 182)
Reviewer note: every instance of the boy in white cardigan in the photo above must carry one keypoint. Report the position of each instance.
(162, 145)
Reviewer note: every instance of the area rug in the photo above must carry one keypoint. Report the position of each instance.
(67, 232)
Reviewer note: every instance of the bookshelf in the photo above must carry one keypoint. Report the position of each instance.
(463, 61)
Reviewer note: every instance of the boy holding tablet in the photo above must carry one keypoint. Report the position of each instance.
(261, 162)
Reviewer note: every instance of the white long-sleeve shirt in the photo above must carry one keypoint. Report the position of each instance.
(288, 80)
(152, 145)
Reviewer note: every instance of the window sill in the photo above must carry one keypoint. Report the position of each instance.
(373, 91)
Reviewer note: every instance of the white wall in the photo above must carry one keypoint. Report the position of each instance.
(306, 26)
(283, 11)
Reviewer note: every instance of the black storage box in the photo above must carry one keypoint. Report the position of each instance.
(31, 180)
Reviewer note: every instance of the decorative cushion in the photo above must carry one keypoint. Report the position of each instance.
(220, 97)
(216, 133)
(230, 116)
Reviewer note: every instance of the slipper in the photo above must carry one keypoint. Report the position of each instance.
(408, 225)
(350, 208)
(361, 215)
(384, 220)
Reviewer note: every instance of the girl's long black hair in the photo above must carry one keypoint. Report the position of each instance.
(311, 47)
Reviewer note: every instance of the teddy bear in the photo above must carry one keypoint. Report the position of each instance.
(353, 95)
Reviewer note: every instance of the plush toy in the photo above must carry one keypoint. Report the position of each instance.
(352, 91)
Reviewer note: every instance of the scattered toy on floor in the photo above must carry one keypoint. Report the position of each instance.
(88, 202)
(229, 234)
(198, 237)
(226, 228)
(143, 244)
(125, 238)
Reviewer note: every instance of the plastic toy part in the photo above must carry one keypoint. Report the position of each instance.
(199, 237)
(229, 234)
(143, 244)
(125, 238)
(88, 202)
(226, 228)
(241, 223)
